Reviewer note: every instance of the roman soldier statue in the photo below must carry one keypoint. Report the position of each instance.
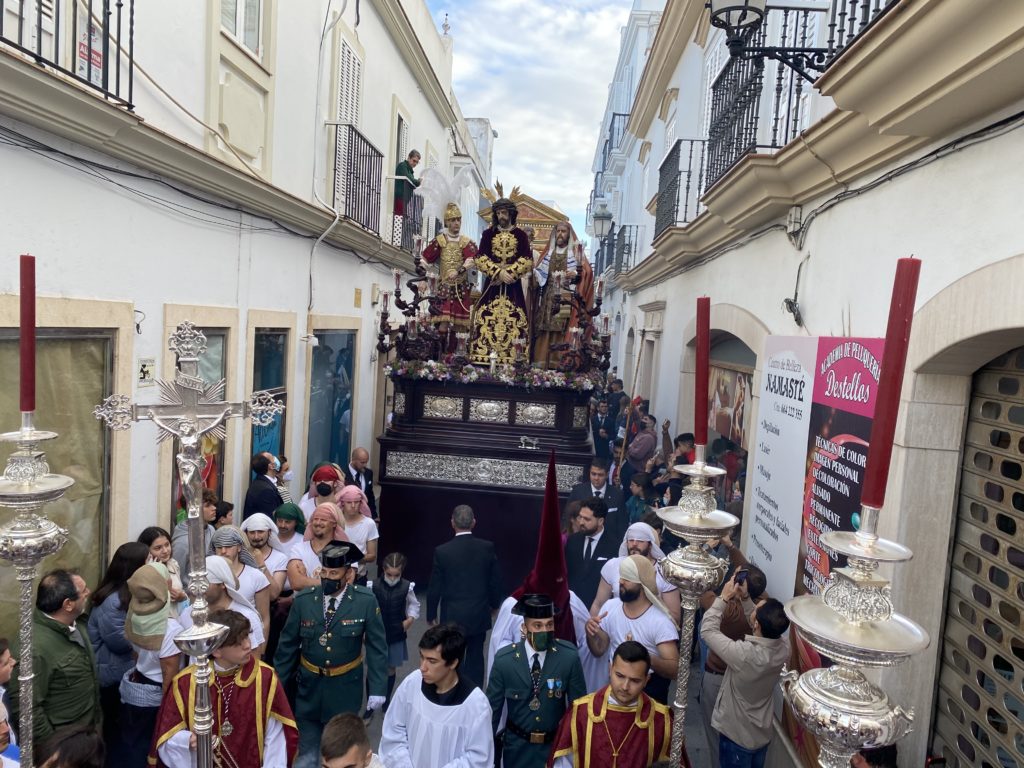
(453, 253)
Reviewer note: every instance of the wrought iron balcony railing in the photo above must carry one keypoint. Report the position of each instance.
(95, 46)
(618, 250)
(850, 18)
(681, 182)
(358, 174)
(616, 130)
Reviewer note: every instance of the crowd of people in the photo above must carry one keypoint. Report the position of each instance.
(577, 671)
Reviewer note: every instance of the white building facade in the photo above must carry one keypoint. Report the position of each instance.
(177, 162)
(754, 185)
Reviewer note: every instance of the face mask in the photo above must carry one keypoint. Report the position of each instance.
(541, 641)
(277, 464)
(628, 596)
(288, 476)
(324, 489)
(392, 582)
(330, 585)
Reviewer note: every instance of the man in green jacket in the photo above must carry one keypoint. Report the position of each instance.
(66, 689)
(322, 645)
(535, 680)
(405, 182)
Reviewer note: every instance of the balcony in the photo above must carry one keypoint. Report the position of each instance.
(681, 182)
(616, 130)
(358, 173)
(617, 251)
(95, 47)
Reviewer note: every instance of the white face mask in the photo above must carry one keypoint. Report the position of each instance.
(288, 476)
(390, 581)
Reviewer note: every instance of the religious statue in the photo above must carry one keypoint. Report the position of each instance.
(501, 320)
(454, 254)
(554, 269)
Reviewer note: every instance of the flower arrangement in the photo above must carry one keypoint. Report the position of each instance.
(529, 378)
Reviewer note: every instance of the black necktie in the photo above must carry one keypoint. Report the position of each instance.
(587, 553)
(535, 673)
(597, 494)
(332, 606)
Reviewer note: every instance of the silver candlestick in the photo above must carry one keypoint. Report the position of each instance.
(189, 409)
(852, 623)
(25, 487)
(692, 569)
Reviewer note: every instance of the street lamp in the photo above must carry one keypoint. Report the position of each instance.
(741, 18)
(602, 221)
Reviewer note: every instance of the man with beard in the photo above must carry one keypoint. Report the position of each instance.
(323, 643)
(551, 316)
(639, 614)
(454, 254)
(639, 539)
(500, 317)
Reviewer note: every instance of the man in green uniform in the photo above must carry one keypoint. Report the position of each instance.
(535, 680)
(322, 644)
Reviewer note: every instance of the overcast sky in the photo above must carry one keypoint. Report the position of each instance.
(540, 72)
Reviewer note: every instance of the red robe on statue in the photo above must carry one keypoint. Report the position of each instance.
(253, 695)
(598, 734)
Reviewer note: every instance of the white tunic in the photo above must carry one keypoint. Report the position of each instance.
(420, 734)
(506, 632)
(649, 628)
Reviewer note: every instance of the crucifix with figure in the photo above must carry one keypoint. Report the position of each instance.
(190, 409)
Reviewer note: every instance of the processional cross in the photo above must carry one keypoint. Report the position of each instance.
(190, 409)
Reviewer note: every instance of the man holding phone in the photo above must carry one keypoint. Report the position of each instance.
(750, 583)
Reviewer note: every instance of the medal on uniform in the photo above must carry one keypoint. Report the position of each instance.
(534, 704)
(226, 728)
(551, 688)
(558, 689)
(324, 638)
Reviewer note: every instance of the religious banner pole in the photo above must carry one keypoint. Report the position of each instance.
(695, 520)
(25, 487)
(190, 409)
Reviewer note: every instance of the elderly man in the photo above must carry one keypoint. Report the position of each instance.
(66, 690)
(639, 539)
(639, 614)
(556, 267)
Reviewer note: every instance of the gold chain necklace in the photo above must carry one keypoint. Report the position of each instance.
(616, 750)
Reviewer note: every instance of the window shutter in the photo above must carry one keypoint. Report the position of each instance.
(350, 86)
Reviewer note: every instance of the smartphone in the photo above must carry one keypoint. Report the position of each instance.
(741, 577)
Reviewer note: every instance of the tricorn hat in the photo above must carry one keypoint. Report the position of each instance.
(340, 554)
(535, 607)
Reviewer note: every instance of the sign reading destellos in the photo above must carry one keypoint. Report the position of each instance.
(817, 399)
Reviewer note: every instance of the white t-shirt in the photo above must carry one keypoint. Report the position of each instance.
(250, 581)
(276, 561)
(304, 551)
(610, 574)
(649, 629)
(359, 533)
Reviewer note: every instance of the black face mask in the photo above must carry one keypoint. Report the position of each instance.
(330, 585)
(324, 489)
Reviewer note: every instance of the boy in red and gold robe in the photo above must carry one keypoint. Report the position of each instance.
(618, 726)
(253, 724)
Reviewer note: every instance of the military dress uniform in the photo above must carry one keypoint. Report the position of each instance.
(324, 651)
(536, 701)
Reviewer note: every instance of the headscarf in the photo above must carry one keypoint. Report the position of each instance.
(218, 571)
(314, 478)
(640, 570)
(641, 532)
(145, 622)
(330, 512)
(353, 492)
(260, 522)
(230, 536)
(290, 511)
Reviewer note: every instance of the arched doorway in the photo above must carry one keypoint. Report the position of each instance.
(979, 708)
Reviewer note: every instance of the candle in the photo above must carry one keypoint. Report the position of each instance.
(417, 246)
(890, 383)
(700, 387)
(493, 356)
(604, 325)
(27, 353)
(600, 287)
(410, 328)
(385, 297)
(398, 279)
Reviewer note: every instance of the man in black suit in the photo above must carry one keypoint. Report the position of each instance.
(589, 549)
(598, 487)
(262, 495)
(602, 425)
(357, 473)
(467, 583)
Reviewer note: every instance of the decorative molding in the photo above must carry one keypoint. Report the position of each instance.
(488, 410)
(670, 97)
(508, 473)
(440, 407)
(400, 403)
(535, 414)
(579, 417)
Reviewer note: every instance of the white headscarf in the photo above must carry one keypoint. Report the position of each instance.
(641, 532)
(218, 571)
(261, 522)
(640, 570)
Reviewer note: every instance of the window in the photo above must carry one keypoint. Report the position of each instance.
(242, 19)
(330, 398)
(75, 370)
(269, 366)
(350, 88)
(212, 368)
(715, 59)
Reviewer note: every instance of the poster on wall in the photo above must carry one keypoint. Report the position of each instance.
(729, 403)
(817, 400)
